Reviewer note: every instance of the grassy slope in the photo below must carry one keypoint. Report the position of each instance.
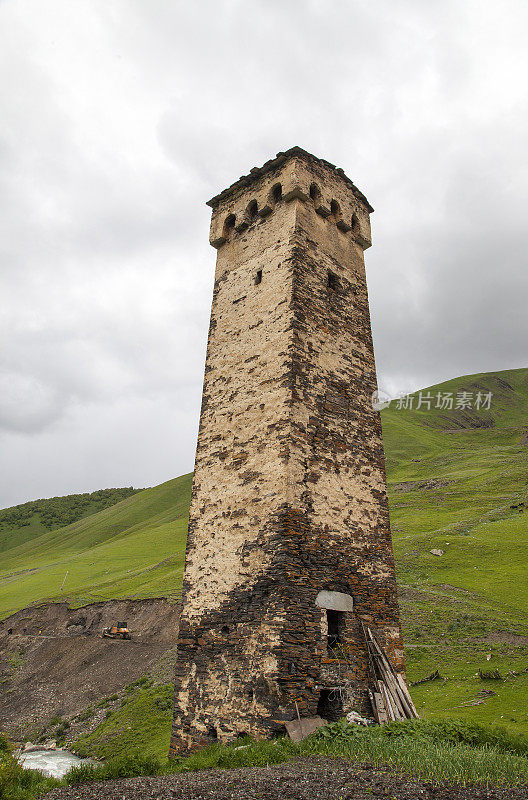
(456, 608)
(466, 604)
(133, 549)
(22, 523)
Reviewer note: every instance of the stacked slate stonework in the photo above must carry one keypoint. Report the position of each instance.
(289, 552)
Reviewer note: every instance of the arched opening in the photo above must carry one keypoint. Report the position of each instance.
(252, 211)
(332, 281)
(229, 224)
(276, 193)
(315, 194)
(354, 223)
(335, 210)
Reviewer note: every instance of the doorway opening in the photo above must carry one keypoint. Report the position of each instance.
(330, 705)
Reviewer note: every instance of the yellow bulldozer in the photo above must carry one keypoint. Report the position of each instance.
(119, 631)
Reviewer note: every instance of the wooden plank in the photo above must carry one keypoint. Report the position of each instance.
(395, 695)
(404, 688)
(374, 705)
(395, 700)
(392, 688)
(391, 679)
(394, 711)
(396, 692)
(381, 708)
(387, 701)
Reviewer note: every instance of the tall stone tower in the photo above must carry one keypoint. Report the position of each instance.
(289, 546)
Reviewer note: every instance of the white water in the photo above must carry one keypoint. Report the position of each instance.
(53, 763)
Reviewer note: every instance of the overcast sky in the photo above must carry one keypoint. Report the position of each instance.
(120, 118)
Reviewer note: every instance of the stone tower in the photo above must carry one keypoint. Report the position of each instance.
(289, 546)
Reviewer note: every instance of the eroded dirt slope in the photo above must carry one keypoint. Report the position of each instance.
(54, 662)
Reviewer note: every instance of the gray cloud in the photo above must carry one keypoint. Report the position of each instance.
(120, 119)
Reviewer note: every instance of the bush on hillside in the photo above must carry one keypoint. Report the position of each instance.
(56, 512)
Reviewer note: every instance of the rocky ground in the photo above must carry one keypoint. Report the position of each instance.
(303, 779)
(54, 662)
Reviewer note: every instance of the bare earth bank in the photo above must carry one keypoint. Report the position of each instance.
(54, 662)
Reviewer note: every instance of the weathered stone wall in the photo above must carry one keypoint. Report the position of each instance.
(289, 493)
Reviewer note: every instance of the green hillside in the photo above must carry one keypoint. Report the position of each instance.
(135, 548)
(19, 524)
(458, 482)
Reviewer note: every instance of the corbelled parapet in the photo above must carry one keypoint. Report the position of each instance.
(290, 176)
(289, 550)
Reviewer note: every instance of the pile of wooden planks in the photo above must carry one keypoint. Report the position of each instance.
(390, 696)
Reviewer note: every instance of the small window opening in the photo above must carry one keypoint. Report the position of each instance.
(354, 222)
(225, 629)
(332, 281)
(334, 621)
(276, 193)
(252, 210)
(258, 277)
(229, 224)
(315, 193)
(335, 209)
(330, 705)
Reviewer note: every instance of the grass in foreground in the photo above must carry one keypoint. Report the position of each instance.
(454, 752)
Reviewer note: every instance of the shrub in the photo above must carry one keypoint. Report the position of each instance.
(163, 703)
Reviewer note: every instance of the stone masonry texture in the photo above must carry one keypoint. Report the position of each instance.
(289, 495)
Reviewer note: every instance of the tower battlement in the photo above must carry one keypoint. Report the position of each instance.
(292, 175)
(289, 549)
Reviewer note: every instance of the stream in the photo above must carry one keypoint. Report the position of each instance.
(52, 763)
